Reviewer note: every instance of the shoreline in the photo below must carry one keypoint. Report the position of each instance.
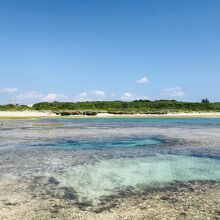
(50, 114)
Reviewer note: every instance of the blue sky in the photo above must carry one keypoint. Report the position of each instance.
(76, 50)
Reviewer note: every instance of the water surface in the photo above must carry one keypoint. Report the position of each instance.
(100, 157)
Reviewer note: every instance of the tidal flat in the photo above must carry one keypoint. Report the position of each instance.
(110, 168)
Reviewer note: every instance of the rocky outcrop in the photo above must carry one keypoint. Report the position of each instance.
(74, 112)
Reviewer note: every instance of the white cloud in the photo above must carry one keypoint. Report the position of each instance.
(98, 93)
(51, 97)
(93, 95)
(113, 95)
(81, 97)
(127, 96)
(142, 80)
(173, 92)
(33, 96)
(30, 95)
(90, 96)
(8, 90)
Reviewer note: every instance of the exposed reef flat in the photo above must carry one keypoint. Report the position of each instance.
(192, 200)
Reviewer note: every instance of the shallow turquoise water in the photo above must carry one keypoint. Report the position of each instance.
(161, 121)
(99, 157)
(97, 144)
(107, 176)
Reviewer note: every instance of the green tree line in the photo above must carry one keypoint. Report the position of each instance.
(138, 106)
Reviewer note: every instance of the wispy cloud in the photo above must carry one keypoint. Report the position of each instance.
(90, 96)
(29, 95)
(173, 92)
(98, 93)
(128, 96)
(51, 97)
(33, 96)
(8, 90)
(113, 95)
(83, 96)
(142, 80)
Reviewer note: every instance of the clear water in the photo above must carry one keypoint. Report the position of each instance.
(99, 157)
(107, 176)
(97, 144)
(166, 121)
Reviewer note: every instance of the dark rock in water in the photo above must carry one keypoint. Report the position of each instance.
(74, 112)
(183, 214)
(84, 205)
(55, 210)
(10, 203)
(169, 199)
(165, 198)
(217, 212)
(53, 181)
(106, 207)
(70, 193)
(38, 179)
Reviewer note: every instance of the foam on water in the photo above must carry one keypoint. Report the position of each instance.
(105, 177)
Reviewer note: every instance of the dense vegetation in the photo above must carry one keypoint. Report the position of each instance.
(12, 107)
(138, 106)
(141, 106)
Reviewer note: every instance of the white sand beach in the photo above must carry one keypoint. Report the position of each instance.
(23, 114)
(178, 114)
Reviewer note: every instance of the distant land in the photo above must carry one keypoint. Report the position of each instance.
(92, 108)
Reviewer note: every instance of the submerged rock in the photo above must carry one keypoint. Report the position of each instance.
(53, 181)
